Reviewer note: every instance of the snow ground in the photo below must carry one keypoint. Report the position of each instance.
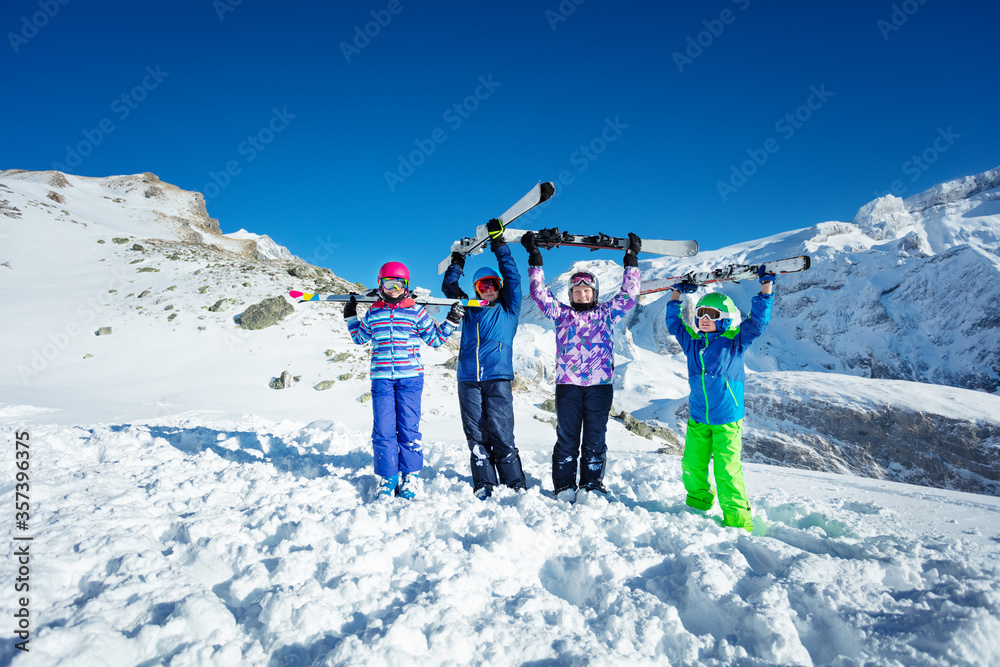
(201, 540)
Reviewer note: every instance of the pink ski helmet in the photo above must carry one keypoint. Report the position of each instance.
(394, 270)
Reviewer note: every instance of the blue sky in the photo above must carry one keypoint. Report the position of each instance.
(360, 132)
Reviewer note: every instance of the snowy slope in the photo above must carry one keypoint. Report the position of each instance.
(186, 513)
(241, 541)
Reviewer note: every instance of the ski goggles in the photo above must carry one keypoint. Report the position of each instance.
(710, 313)
(584, 279)
(392, 283)
(484, 285)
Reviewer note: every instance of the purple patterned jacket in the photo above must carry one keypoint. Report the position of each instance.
(585, 340)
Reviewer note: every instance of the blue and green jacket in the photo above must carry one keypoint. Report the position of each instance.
(487, 347)
(715, 361)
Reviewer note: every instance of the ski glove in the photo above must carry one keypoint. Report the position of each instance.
(634, 246)
(495, 229)
(534, 254)
(685, 288)
(458, 258)
(456, 313)
(351, 308)
(764, 275)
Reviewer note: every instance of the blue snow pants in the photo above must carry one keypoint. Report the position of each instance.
(396, 425)
(488, 421)
(586, 410)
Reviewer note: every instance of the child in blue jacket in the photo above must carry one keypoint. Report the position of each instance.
(486, 368)
(716, 375)
(395, 325)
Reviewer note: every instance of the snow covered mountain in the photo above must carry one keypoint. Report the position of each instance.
(186, 512)
(266, 247)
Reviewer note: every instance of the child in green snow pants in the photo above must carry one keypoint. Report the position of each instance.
(724, 444)
(716, 376)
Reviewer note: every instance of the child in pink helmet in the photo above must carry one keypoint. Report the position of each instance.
(394, 325)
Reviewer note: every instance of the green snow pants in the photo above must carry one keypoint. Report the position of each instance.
(723, 444)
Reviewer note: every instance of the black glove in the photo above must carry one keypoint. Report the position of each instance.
(764, 275)
(634, 246)
(534, 254)
(458, 258)
(685, 288)
(495, 229)
(456, 313)
(351, 308)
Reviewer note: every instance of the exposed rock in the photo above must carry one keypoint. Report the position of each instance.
(58, 180)
(869, 437)
(345, 376)
(219, 306)
(103, 331)
(451, 364)
(549, 405)
(324, 385)
(56, 197)
(138, 248)
(632, 424)
(303, 271)
(336, 357)
(365, 397)
(284, 381)
(266, 313)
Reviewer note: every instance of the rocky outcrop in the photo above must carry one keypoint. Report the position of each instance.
(861, 433)
(266, 313)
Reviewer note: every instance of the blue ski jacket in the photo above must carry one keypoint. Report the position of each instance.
(487, 344)
(715, 361)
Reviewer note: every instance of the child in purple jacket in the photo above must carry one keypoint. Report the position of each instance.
(584, 367)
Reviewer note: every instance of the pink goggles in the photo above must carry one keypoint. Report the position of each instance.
(585, 279)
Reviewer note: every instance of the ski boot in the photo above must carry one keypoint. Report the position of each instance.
(409, 488)
(386, 486)
(567, 495)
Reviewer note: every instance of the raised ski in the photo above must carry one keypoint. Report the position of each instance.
(473, 245)
(363, 298)
(732, 273)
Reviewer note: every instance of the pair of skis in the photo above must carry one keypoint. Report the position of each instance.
(431, 303)
(733, 273)
(551, 238)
